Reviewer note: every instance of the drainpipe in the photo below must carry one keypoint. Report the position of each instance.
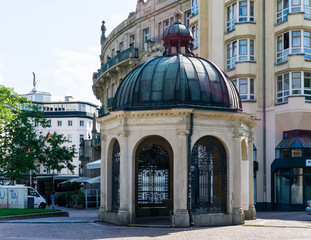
(264, 105)
(189, 158)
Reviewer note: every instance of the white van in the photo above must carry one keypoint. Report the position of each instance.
(20, 197)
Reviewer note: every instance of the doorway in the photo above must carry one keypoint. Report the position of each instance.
(154, 196)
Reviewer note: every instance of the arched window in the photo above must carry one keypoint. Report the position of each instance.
(208, 176)
(115, 177)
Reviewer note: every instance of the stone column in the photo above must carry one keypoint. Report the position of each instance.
(252, 209)
(124, 213)
(103, 182)
(181, 216)
(237, 211)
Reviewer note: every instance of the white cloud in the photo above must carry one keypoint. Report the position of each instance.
(72, 75)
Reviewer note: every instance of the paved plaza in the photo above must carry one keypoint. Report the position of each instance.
(81, 224)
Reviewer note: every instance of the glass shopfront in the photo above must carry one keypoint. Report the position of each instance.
(292, 188)
(291, 171)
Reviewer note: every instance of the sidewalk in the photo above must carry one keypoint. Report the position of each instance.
(75, 216)
(264, 219)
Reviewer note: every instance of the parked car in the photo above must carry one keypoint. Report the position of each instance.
(308, 209)
(20, 196)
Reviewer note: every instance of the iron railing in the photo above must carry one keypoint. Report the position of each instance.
(115, 177)
(208, 177)
(121, 56)
(92, 198)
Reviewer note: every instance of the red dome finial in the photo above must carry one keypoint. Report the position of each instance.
(178, 38)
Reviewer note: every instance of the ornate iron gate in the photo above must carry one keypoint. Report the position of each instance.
(153, 178)
(115, 191)
(208, 176)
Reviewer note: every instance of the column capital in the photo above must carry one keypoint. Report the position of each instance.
(238, 131)
(103, 137)
(123, 133)
(182, 132)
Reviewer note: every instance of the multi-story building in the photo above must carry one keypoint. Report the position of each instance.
(73, 119)
(265, 48)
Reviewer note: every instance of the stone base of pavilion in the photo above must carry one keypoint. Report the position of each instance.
(182, 219)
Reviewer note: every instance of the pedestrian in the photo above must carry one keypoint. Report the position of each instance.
(53, 197)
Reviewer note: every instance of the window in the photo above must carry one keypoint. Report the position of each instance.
(293, 43)
(285, 153)
(239, 51)
(132, 40)
(59, 123)
(70, 137)
(195, 32)
(296, 83)
(239, 11)
(113, 53)
(166, 24)
(160, 29)
(296, 152)
(81, 123)
(284, 7)
(121, 48)
(307, 44)
(81, 137)
(293, 83)
(146, 37)
(171, 20)
(245, 87)
(69, 123)
(307, 85)
(187, 20)
(194, 7)
(49, 123)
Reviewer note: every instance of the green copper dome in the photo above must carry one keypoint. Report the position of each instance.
(177, 81)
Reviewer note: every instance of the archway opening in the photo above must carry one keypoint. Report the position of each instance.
(208, 176)
(115, 183)
(154, 178)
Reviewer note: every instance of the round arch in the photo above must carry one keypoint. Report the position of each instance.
(225, 144)
(208, 176)
(113, 175)
(153, 177)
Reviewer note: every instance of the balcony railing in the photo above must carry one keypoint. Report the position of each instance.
(121, 56)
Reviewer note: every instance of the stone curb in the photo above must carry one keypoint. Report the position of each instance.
(35, 215)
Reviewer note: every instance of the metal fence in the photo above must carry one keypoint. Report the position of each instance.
(92, 198)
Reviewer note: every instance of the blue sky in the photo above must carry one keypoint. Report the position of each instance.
(59, 40)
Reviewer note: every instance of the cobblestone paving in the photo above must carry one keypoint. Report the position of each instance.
(269, 225)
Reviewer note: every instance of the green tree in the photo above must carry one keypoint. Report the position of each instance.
(9, 103)
(23, 146)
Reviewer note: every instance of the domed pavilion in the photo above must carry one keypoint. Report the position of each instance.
(176, 143)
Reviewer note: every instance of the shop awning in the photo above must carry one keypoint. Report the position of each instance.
(93, 180)
(79, 180)
(296, 142)
(94, 165)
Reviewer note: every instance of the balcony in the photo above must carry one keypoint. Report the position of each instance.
(293, 61)
(120, 57)
(242, 30)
